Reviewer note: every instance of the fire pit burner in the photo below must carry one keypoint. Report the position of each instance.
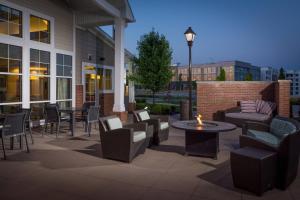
(204, 124)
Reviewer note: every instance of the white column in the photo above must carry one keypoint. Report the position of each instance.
(131, 85)
(119, 66)
(53, 77)
(26, 65)
(74, 64)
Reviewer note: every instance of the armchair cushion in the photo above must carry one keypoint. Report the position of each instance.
(138, 136)
(280, 128)
(264, 136)
(144, 115)
(114, 123)
(164, 125)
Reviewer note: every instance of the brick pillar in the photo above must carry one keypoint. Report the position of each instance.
(282, 97)
(79, 96)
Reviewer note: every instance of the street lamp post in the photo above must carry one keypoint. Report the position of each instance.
(190, 36)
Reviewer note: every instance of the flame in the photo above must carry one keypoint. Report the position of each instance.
(199, 119)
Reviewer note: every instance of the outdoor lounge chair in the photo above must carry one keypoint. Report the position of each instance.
(160, 125)
(281, 136)
(13, 126)
(120, 142)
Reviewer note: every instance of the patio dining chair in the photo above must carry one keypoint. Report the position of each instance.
(81, 117)
(92, 117)
(51, 117)
(28, 112)
(13, 126)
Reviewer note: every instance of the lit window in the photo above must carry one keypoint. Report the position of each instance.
(64, 79)
(39, 29)
(39, 75)
(10, 73)
(10, 21)
(108, 79)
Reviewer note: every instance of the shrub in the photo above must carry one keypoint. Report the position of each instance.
(140, 100)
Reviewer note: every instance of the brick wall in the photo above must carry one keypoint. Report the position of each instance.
(79, 96)
(107, 103)
(282, 97)
(213, 96)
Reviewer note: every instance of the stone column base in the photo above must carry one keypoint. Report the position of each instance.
(131, 107)
(122, 115)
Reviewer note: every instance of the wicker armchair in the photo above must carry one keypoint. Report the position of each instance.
(160, 125)
(120, 142)
(287, 146)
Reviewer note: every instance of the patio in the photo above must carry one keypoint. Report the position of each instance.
(72, 167)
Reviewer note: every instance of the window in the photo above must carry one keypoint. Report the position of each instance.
(39, 29)
(108, 79)
(100, 78)
(10, 73)
(39, 75)
(10, 21)
(64, 79)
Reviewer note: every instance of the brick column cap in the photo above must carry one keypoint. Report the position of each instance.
(284, 81)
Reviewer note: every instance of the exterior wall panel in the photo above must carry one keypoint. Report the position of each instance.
(88, 44)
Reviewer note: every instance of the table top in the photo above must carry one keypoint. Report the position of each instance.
(212, 126)
(70, 109)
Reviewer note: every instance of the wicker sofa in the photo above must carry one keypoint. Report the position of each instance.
(281, 136)
(236, 116)
(120, 142)
(160, 125)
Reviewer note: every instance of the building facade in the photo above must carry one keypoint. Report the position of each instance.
(52, 51)
(234, 70)
(269, 74)
(294, 76)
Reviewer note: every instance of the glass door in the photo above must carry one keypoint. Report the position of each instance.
(93, 83)
(90, 88)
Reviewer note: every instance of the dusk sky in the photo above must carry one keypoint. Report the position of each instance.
(262, 32)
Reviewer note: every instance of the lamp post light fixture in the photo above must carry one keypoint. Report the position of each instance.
(190, 36)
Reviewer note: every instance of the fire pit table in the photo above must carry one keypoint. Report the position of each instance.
(203, 139)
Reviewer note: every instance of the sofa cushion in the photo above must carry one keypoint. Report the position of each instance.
(138, 136)
(281, 128)
(267, 107)
(114, 123)
(264, 136)
(164, 125)
(248, 116)
(248, 106)
(144, 115)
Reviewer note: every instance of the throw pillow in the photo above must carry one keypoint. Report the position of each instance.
(248, 106)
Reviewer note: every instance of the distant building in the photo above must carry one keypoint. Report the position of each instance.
(294, 76)
(269, 74)
(235, 71)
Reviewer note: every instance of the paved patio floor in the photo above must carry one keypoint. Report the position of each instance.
(73, 168)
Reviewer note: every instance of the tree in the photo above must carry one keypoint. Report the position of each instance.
(248, 77)
(222, 75)
(153, 62)
(281, 74)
